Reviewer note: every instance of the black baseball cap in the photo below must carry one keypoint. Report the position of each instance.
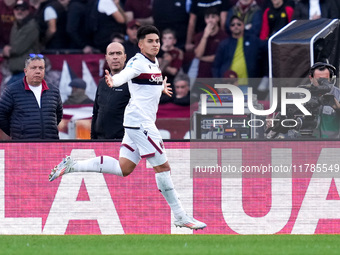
(22, 4)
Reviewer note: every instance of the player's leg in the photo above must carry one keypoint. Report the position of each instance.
(101, 164)
(166, 187)
(128, 159)
(150, 145)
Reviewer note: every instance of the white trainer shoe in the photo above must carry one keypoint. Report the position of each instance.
(189, 222)
(64, 167)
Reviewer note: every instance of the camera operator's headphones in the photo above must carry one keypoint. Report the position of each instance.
(321, 65)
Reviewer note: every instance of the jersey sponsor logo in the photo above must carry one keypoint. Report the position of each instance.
(149, 79)
(156, 78)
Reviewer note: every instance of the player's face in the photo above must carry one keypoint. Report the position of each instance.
(149, 46)
(115, 57)
(320, 74)
(35, 72)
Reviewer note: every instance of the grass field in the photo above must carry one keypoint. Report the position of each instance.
(171, 244)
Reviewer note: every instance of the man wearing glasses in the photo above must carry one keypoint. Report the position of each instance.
(29, 108)
(240, 53)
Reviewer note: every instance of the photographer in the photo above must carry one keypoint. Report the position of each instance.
(328, 126)
(323, 105)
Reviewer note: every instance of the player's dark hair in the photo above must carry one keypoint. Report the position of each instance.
(145, 30)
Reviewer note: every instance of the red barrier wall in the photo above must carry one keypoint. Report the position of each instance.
(91, 203)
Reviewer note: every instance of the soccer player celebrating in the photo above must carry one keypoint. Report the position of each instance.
(142, 138)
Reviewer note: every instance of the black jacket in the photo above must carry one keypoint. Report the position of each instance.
(21, 117)
(108, 111)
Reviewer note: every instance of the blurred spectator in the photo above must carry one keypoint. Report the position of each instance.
(337, 3)
(6, 20)
(170, 60)
(117, 37)
(78, 95)
(110, 103)
(240, 53)
(206, 42)
(249, 12)
(140, 10)
(264, 4)
(52, 20)
(29, 108)
(275, 17)
(34, 4)
(172, 15)
(230, 77)
(315, 9)
(170, 57)
(182, 89)
(39, 17)
(196, 19)
(105, 17)
(131, 45)
(52, 76)
(76, 18)
(24, 39)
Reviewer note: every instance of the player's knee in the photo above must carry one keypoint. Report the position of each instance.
(126, 173)
(126, 166)
(162, 168)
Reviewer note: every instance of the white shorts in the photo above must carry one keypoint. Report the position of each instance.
(143, 143)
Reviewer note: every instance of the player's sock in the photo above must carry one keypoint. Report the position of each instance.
(102, 164)
(166, 187)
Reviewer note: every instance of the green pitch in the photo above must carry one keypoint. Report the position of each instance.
(171, 244)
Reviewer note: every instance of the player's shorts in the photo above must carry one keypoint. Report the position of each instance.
(143, 143)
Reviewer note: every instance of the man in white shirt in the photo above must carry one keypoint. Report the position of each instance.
(142, 138)
(30, 108)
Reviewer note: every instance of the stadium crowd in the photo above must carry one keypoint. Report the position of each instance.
(200, 38)
(194, 29)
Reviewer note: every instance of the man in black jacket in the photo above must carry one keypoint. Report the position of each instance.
(29, 108)
(110, 103)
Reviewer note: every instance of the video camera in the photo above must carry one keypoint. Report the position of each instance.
(320, 96)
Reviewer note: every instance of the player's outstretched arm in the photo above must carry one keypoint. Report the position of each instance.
(108, 79)
(167, 89)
